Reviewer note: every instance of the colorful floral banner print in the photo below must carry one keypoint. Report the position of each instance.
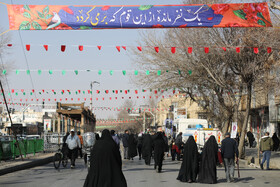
(59, 17)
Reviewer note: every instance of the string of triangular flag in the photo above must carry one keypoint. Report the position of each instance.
(238, 49)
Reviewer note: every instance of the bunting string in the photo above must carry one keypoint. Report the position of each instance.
(156, 49)
(78, 91)
(99, 72)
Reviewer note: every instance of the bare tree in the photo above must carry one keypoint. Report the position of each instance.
(216, 80)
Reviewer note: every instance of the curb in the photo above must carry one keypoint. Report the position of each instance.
(28, 165)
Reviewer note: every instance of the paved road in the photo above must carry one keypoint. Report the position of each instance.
(137, 175)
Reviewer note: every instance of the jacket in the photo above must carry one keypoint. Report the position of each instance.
(73, 142)
(229, 148)
(266, 144)
(125, 140)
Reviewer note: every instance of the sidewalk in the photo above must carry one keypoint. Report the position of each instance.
(252, 157)
(28, 162)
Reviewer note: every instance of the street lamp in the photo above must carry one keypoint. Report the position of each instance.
(91, 85)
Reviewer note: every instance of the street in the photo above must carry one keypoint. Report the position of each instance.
(136, 174)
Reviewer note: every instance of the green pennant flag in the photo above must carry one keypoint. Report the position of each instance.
(40, 93)
(76, 92)
(99, 72)
(9, 94)
(179, 72)
(63, 72)
(76, 72)
(16, 93)
(28, 72)
(54, 93)
(111, 72)
(121, 91)
(128, 91)
(158, 72)
(84, 92)
(50, 72)
(190, 72)
(147, 72)
(31, 93)
(166, 71)
(136, 72)
(124, 72)
(113, 91)
(4, 72)
(39, 72)
(62, 93)
(17, 72)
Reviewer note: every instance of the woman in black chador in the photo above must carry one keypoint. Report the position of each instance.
(147, 148)
(189, 167)
(132, 146)
(159, 148)
(105, 164)
(207, 170)
(275, 142)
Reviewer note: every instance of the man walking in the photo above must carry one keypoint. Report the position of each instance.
(73, 143)
(125, 143)
(266, 147)
(229, 150)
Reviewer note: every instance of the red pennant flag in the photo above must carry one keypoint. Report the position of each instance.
(173, 50)
(99, 47)
(62, 91)
(63, 47)
(125, 91)
(9, 45)
(37, 99)
(46, 47)
(237, 49)
(139, 48)
(13, 90)
(116, 91)
(31, 99)
(224, 48)
(97, 91)
(22, 90)
(118, 48)
(110, 98)
(88, 91)
(33, 90)
(54, 99)
(269, 50)
(78, 99)
(116, 98)
(106, 91)
(155, 91)
(81, 48)
(256, 50)
(157, 49)
(49, 99)
(43, 91)
(60, 99)
(27, 47)
(206, 49)
(173, 91)
(124, 47)
(79, 91)
(136, 91)
(189, 49)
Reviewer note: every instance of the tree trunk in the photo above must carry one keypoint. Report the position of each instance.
(226, 126)
(245, 122)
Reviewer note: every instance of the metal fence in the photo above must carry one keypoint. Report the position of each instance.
(10, 149)
(51, 141)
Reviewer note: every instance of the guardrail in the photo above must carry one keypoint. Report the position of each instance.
(10, 150)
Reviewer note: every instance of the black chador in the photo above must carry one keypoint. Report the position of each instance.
(208, 171)
(189, 167)
(105, 164)
(159, 148)
(147, 148)
(132, 146)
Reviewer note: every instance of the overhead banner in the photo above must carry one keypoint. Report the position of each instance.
(77, 17)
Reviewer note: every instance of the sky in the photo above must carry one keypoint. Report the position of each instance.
(73, 59)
